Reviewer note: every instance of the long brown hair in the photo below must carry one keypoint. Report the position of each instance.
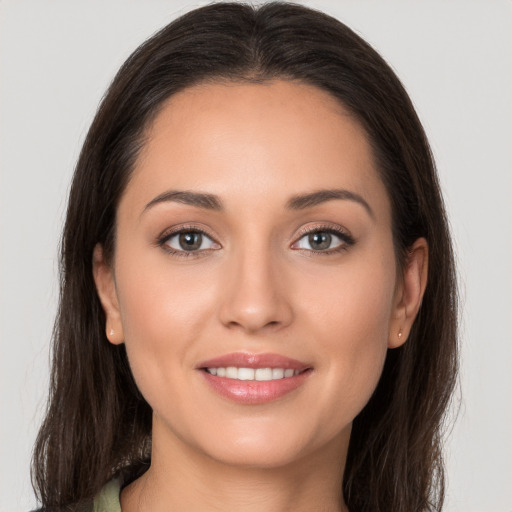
(97, 423)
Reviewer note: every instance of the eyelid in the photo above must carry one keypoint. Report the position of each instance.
(169, 233)
(184, 228)
(335, 229)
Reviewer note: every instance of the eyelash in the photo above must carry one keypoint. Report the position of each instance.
(166, 236)
(346, 238)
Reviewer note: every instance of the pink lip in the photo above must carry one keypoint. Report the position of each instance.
(245, 360)
(253, 392)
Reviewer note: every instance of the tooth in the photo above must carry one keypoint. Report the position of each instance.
(259, 374)
(232, 372)
(263, 374)
(277, 373)
(246, 373)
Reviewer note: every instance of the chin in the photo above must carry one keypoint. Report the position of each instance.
(272, 445)
(254, 456)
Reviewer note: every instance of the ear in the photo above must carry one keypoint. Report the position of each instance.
(409, 293)
(103, 275)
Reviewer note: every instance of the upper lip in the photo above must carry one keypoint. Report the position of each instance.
(247, 360)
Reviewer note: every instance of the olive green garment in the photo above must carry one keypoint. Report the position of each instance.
(108, 499)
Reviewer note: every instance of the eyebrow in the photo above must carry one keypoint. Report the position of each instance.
(303, 201)
(199, 199)
(298, 202)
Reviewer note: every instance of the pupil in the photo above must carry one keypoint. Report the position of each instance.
(320, 241)
(190, 241)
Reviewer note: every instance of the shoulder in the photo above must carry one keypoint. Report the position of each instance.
(67, 508)
(106, 501)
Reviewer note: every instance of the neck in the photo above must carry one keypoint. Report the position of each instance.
(183, 478)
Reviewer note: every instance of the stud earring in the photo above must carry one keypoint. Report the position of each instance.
(111, 332)
(399, 333)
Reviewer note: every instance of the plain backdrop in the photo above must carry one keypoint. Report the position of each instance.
(455, 58)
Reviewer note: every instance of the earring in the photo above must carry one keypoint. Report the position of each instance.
(399, 333)
(111, 332)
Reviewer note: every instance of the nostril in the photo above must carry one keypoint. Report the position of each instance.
(252, 307)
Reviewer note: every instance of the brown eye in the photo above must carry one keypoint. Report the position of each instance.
(190, 241)
(320, 241)
(324, 240)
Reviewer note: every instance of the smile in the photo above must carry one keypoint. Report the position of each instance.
(253, 379)
(259, 374)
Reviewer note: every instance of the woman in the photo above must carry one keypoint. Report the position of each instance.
(258, 304)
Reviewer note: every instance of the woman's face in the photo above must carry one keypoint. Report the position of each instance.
(255, 233)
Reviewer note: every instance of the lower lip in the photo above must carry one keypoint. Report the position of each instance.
(254, 392)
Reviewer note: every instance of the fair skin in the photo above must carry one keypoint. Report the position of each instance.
(258, 280)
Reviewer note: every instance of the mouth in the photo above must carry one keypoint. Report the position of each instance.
(258, 374)
(254, 378)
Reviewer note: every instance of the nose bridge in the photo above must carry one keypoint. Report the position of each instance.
(255, 295)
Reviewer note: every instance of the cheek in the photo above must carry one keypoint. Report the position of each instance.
(158, 300)
(350, 319)
(353, 305)
(163, 314)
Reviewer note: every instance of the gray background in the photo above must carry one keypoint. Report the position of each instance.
(454, 56)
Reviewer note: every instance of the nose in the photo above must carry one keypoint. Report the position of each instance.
(255, 296)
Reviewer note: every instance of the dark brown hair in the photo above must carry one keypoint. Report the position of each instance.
(97, 424)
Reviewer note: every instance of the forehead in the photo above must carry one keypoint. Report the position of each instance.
(266, 139)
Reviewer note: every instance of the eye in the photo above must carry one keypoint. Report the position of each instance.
(188, 241)
(324, 240)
